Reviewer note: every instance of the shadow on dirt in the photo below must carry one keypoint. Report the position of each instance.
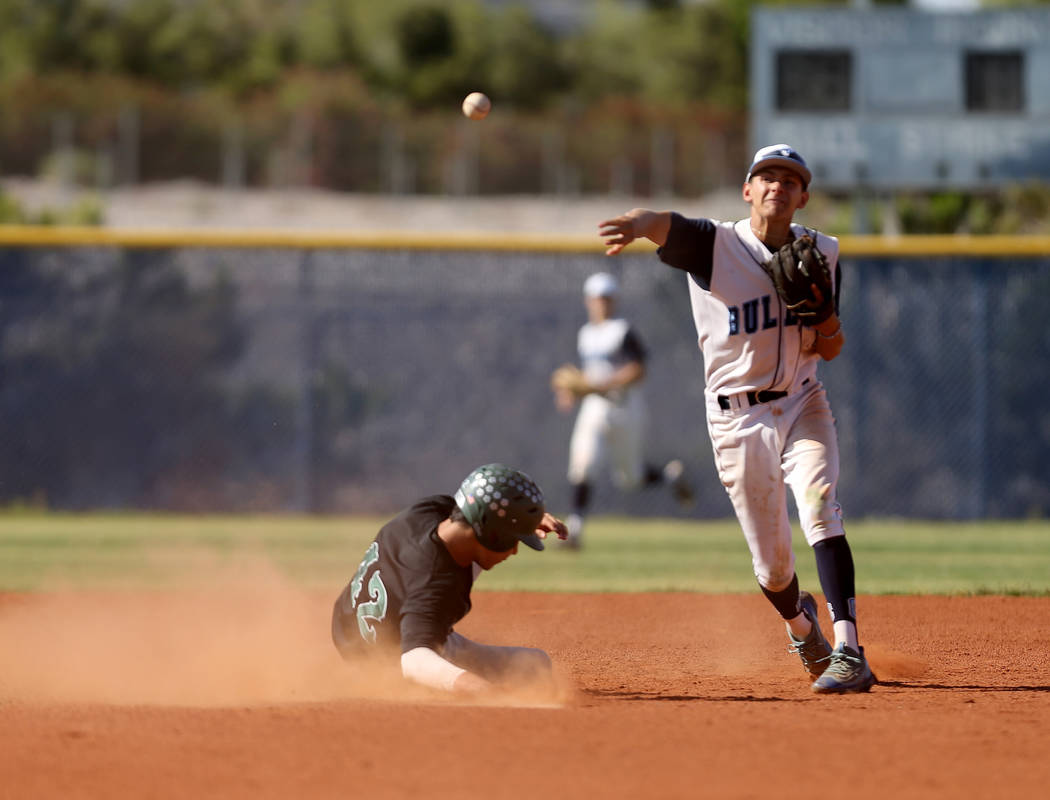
(684, 698)
(964, 687)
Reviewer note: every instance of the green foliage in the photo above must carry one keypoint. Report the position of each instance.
(10, 209)
(661, 51)
(326, 80)
(316, 71)
(524, 66)
(427, 47)
(932, 213)
(1013, 3)
(425, 36)
(85, 210)
(77, 167)
(422, 49)
(1020, 208)
(322, 35)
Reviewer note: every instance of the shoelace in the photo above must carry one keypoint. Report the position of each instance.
(799, 648)
(843, 664)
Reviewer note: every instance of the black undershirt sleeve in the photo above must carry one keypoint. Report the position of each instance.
(690, 246)
(633, 349)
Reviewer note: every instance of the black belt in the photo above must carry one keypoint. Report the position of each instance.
(753, 398)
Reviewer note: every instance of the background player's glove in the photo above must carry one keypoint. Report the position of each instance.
(569, 378)
(795, 269)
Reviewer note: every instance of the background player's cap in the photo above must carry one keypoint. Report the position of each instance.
(601, 284)
(503, 506)
(783, 155)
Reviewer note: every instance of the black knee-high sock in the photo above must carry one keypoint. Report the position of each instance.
(581, 497)
(837, 577)
(786, 601)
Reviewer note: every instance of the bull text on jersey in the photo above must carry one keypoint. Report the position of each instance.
(747, 318)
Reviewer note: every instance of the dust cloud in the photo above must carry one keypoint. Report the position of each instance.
(890, 664)
(241, 634)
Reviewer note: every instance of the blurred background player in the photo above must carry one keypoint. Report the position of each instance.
(414, 584)
(610, 425)
(768, 415)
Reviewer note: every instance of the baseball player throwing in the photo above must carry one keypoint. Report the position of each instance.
(610, 426)
(414, 583)
(768, 416)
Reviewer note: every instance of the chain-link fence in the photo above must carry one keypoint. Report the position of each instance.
(350, 379)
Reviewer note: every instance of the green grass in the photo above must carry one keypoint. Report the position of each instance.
(46, 551)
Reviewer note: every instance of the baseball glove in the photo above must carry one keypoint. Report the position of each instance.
(569, 378)
(795, 269)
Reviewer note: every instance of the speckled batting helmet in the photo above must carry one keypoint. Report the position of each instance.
(503, 506)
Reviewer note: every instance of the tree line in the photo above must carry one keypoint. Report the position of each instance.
(421, 53)
(320, 92)
(643, 98)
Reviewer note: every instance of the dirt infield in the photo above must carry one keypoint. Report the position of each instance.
(666, 696)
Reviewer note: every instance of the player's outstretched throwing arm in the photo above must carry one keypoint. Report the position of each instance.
(644, 223)
(638, 223)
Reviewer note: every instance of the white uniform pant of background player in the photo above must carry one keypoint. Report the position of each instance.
(607, 433)
(761, 451)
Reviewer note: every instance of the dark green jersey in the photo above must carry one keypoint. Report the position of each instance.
(407, 592)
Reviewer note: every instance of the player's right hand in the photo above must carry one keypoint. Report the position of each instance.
(617, 232)
(637, 223)
(551, 524)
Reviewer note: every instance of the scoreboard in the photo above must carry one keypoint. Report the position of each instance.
(894, 98)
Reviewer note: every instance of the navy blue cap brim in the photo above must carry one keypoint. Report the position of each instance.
(780, 161)
(533, 541)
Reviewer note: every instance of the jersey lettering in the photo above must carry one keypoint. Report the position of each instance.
(371, 557)
(374, 610)
(751, 316)
(767, 321)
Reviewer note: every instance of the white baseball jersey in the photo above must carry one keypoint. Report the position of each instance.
(749, 339)
(610, 427)
(751, 343)
(606, 346)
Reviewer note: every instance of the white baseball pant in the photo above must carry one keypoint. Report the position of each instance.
(607, 433)
(762, 451)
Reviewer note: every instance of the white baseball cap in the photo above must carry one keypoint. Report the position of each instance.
(601, 284)
(782, 155)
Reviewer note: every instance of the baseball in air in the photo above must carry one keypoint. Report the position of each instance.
(476, 105)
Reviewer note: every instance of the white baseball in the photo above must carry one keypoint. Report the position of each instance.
(476, 105)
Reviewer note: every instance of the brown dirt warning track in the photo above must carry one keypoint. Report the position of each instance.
(238, 695)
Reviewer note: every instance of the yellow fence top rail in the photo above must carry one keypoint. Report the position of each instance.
(48, 236)
(946, 246)
(870, 246)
